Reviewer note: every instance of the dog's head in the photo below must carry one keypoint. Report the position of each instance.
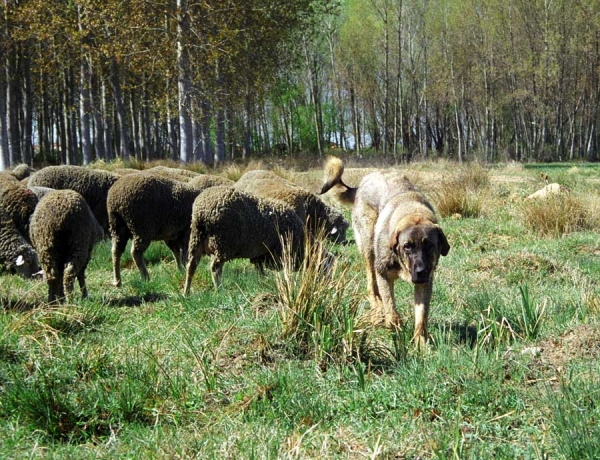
(419, 248)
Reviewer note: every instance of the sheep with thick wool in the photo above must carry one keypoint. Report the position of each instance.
(16, 254)
(183, 175)
(21, 171)
(63, 232)
(230, 224)
(92, 184)
(209, 180)
(19, 202)
(145, 208)
(316, 215)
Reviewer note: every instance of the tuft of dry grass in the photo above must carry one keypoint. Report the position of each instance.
(463, 193)
(558, 215)
(320, 307)
(233, 171)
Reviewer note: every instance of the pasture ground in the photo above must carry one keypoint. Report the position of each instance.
(512, 369)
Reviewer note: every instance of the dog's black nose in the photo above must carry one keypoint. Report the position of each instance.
(420, 274)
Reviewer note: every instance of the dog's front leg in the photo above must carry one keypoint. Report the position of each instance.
(388, 303)
(422, 299)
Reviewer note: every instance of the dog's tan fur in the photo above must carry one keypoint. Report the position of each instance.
(397, 233)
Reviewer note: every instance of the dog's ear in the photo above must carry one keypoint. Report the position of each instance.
(393, 242)
(444, 246)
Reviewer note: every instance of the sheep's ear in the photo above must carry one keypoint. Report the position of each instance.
(20, 261)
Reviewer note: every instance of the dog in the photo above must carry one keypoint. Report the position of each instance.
(397, 233)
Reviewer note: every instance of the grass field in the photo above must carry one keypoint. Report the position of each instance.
(285, 365)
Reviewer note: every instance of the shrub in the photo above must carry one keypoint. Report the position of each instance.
(557, 215)
(463, 193)
(320, 309)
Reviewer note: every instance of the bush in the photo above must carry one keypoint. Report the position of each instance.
(320, 309)
(463, 193)
(557, 215)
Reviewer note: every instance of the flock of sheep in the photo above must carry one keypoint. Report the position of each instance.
(51, 219)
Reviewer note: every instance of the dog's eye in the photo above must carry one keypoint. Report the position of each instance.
(407, 247)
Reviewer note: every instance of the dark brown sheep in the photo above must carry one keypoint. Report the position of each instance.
(230, 224)
(63, 232)
(92, 184)
(16, 254)
(316, 215)
(19, 202)
(146, 208)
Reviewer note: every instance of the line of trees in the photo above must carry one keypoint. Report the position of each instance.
(220, 79)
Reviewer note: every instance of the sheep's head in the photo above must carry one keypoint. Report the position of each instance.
(26, 264)
(336, 227)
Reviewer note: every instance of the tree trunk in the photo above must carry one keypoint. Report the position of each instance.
(108, 124)
(135, 126)
(4, 151)
(146, 129)
(12, 112)
(198, 144)
(99, 134)
(186, 152)
(247, 152)
(311, 68)
(206, 118)
(84, 98)
(27, 146)
(172, 134)
(124, 149)
(220, 150)
(398, 106)
(386, 83)
(355, 120)
(84, 111)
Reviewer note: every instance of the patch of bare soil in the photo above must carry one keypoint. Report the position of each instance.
(579, 342)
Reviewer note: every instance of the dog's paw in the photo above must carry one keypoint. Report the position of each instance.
(393, 321)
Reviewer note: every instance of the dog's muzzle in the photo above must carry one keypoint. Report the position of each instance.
(419, 274)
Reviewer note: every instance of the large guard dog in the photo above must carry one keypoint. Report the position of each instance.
(396, 232)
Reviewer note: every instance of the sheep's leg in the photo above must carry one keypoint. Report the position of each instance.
(194, 257)
(55, 284)
(175, 247)
(54, 288)
(216, 270)
(184, 240)
(69, 280)
(261, 268)
(82, 286)
(119, 243)
(138, 247)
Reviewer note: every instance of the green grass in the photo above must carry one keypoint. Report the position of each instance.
(143, 372)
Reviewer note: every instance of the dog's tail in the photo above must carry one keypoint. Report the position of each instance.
(334, 169)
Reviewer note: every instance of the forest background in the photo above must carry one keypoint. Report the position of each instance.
(215, 81)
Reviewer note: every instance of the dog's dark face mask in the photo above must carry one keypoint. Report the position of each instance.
(419, 248)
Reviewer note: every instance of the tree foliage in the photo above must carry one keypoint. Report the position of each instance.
(495, 80)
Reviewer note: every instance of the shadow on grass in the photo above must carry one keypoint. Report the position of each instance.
(135, 301)
(18, 305)
(453, 333)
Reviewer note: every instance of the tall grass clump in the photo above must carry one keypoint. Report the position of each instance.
(575, 414)
(320, 308)
(462, 193)
(233, 171)
(495, 324)
(532, 314)
(557, 215)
